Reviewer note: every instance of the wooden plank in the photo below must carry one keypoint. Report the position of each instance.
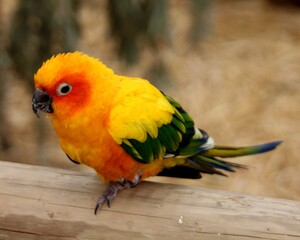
(47, 203)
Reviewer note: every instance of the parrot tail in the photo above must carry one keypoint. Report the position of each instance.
(210, 162)
(225, 151)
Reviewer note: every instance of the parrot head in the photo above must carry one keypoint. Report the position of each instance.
(67, 82)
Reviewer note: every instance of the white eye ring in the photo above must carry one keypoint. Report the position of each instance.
(63, 89)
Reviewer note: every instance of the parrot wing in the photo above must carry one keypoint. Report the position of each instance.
(150, 125)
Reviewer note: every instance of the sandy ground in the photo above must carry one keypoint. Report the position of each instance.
(241, 84)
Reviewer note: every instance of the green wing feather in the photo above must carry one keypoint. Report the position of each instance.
(172, 139)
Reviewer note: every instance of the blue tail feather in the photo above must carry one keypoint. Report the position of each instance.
(265, 147)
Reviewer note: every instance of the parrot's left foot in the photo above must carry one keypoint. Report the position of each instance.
(109, 194)
(113, 188)
(133, 183)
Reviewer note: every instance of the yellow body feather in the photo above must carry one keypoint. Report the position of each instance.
(138, 109)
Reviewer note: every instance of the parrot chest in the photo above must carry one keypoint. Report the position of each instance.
(93, 146)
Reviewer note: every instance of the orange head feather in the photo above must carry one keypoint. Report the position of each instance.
(71, 80)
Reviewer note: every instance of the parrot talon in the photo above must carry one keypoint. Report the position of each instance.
(122, 182)
(131, 184)
(113, 188)
(137, 179)
(109, 194)
(99, 204)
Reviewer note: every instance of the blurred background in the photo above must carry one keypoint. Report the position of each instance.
(233, 64)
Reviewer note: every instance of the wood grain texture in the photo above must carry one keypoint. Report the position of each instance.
(48, 203)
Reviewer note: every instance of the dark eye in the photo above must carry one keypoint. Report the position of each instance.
(63, 89)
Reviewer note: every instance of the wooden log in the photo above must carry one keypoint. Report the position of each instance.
(47, 203)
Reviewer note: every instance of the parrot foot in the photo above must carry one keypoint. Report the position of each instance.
(109, 194)
(133, 183)
(113, 188)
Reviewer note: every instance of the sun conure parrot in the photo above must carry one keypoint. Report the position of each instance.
(124, 127)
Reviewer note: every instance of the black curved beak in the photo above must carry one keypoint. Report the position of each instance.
(41, 101)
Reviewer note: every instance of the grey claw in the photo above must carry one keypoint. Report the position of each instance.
(99, 203)
(96, 209)
(113, 188)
